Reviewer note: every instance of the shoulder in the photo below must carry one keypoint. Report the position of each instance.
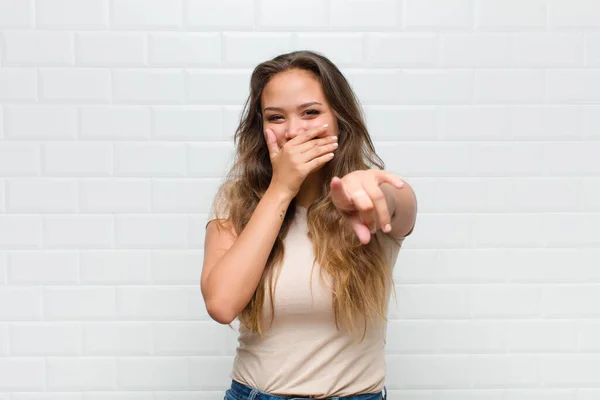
(220, 206)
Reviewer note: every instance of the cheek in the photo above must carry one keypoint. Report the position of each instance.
(328, 119)
(333, 126)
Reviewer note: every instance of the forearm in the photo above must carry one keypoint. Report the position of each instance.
(233, 280)
(402, 205)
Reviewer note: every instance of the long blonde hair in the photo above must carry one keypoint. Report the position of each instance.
(360, 276)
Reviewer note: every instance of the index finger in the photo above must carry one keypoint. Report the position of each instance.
(386, 176)
(339, 195)
(309, 134)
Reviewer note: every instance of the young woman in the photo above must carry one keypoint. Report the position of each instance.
(307, 230)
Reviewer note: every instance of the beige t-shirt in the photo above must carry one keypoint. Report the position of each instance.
(303, 353)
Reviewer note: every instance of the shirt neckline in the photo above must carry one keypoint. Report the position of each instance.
(301, 210)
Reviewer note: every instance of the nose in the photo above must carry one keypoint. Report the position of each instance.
(295, 126)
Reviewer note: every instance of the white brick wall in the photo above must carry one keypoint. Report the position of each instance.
(116, 119)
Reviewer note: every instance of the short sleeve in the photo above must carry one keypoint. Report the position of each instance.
(392, 245)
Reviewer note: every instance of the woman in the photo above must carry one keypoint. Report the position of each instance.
(307, 229)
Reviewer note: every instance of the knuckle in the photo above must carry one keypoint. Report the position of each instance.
(369, 207)
(378, 196)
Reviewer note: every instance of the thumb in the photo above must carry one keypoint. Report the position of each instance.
(271, 142)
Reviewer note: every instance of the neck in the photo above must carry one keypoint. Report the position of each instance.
(310, 190)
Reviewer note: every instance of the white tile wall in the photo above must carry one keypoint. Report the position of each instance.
(116, 120)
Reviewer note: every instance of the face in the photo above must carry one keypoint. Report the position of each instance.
(294, 100)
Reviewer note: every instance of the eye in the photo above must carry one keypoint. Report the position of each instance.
(313, 112)
(274, 117)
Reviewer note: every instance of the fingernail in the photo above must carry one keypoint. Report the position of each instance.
(387, 228)
(373, 230)
(325, 126)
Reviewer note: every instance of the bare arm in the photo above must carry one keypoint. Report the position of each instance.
(402, 204)
(234, 265)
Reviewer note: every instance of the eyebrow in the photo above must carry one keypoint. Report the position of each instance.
(299, 107)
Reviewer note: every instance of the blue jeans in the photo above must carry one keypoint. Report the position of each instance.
(239, 391)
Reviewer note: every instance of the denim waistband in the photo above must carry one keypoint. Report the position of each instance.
(244, 392)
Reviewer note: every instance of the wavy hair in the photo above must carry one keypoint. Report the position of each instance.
(359, 276)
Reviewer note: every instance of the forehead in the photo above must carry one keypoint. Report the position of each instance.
(292, 87)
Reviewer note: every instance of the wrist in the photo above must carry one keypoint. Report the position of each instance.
(280, 195)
